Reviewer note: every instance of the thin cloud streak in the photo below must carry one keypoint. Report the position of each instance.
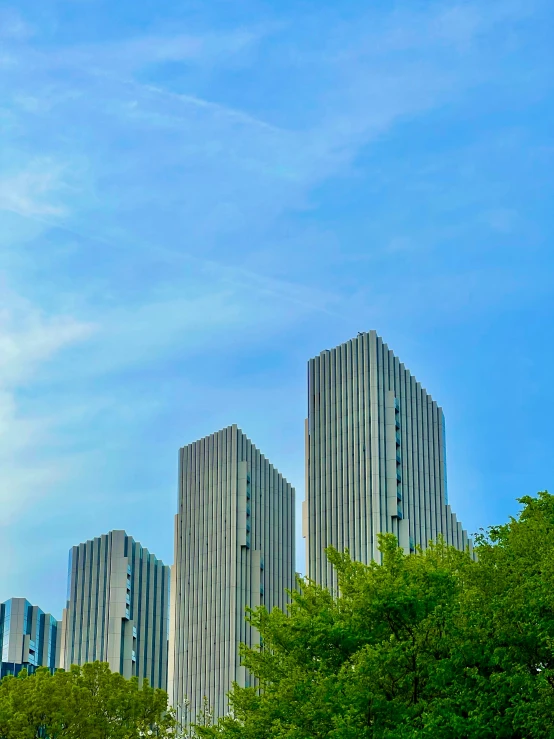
(286, 291)
(214, 107)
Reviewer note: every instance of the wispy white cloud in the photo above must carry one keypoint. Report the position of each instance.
(218, 177)
(28, 340)
(34, 190)
(27, 478)
(376, 84)
(224, 306)
(180, 182)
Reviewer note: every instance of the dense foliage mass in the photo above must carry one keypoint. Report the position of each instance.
(427, 645)
(88, 702)
(432, 645)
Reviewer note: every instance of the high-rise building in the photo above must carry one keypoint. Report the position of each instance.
(234, 547)
(375, 457)
(117, 608)
(28, 637)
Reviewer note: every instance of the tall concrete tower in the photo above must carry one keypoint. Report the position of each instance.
(375, 457)
(117, 608)
(234, 547)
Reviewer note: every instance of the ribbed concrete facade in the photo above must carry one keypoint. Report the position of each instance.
(375, 457)
(28, 637)
(234, 547)
(117, 609)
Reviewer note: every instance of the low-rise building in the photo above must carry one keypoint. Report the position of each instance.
(28, 637)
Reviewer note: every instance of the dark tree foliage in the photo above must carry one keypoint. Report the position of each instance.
(428, 645)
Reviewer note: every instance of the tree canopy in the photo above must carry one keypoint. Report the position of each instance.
(88, 702)
(435, 644)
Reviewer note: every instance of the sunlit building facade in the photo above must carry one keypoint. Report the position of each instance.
(117, 608)
(234, 548)
(28, 637)
(375, 457)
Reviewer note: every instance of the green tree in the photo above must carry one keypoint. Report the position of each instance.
(86, 702)
(427, 645)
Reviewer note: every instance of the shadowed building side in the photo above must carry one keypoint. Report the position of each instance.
(375, 457)
(234, 547)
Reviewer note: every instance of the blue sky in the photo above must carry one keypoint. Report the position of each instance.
(197, 197)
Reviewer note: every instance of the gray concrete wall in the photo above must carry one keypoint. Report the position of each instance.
(118, 608)
(234, 547)
(375, 457)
